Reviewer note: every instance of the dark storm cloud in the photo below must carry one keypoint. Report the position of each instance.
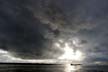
(86, 14)
(28, 27)
(89, 19)
(21, 33)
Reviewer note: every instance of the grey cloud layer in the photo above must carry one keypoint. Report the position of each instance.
(28, 27)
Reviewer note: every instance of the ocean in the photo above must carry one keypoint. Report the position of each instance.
(27, 67)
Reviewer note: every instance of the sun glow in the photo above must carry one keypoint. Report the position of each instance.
(72, 68)
(70, 52)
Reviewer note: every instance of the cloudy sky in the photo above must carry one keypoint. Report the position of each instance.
(41, 29)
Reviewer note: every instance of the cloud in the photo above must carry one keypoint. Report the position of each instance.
(27, 31)
(21, 33)
(29, 28)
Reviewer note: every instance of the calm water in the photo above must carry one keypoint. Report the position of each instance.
(49, 68)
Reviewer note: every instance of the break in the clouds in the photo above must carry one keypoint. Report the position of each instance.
(30, 28)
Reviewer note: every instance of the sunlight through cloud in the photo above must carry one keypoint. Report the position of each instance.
(70, 49)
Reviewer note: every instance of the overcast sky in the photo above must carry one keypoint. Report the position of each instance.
(29, 28)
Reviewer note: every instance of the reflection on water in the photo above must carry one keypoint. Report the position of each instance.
(72, 68)
(37, 68)
(50, 68)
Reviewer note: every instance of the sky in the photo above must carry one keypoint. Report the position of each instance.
(41, 29)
